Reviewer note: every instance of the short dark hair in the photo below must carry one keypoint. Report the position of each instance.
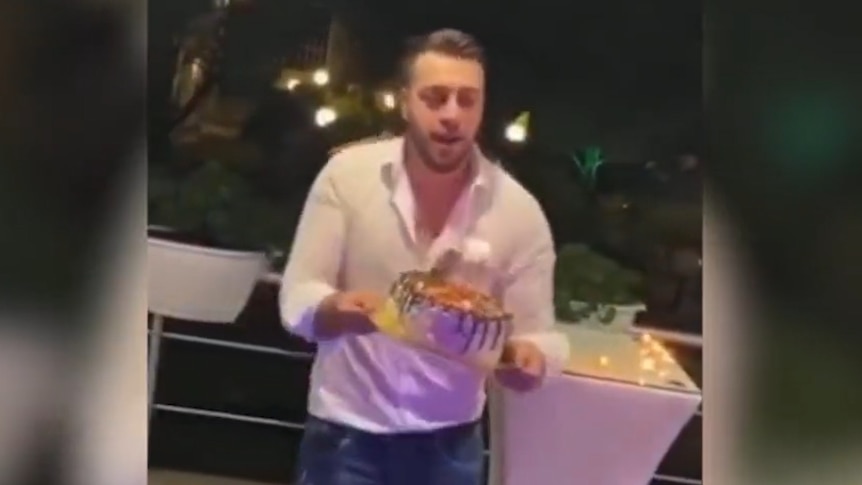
(449, 42)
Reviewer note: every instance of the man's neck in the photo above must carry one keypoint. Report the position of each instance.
(426, 181)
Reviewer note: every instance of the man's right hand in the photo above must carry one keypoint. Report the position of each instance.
(347, 312)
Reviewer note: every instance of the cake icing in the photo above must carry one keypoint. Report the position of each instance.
(450, 317)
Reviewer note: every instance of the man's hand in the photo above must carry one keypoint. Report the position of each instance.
(346, 312)
(522, 366)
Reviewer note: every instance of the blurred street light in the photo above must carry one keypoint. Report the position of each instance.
(388, 100)
(516, 133)
(325, 116)
(320, 77)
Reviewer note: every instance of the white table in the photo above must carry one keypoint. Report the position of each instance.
(607, 421)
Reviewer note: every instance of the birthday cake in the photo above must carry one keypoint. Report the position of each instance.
(449, 318)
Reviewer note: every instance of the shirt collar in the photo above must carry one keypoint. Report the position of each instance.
(395, 175)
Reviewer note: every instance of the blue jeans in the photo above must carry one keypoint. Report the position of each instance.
(334, 454)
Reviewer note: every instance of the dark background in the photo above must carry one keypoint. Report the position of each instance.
(620, 74)
(792, 207)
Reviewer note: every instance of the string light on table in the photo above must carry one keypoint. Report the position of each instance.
(653, 360)
(654, 357)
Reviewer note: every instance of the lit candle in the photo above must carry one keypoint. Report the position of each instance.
(648, 364)
(604, 361)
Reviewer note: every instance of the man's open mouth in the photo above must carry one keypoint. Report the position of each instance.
(445, 139)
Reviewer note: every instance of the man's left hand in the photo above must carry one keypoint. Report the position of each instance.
(522, 366)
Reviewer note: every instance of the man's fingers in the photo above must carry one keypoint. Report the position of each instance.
(521, 360)
(359, 305)
(516, 379)
(534, 366)
(530, 366)
(529, 363)
(369, 303)
(361, 302)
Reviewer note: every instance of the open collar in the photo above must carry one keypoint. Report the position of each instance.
(395, 175)
(402, 197)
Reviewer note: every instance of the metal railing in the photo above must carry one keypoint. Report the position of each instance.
(157, 334)
(679, 338)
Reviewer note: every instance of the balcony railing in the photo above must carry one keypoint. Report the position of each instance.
(159, 338)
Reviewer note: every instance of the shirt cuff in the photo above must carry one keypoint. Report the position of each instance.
(298, 307)
(554, 345)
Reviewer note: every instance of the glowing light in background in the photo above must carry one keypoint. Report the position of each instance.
(325, 116)
(517, 130)
(320, 77)
(388, 100)
(516, 133)
(589, 164)
(292, 83)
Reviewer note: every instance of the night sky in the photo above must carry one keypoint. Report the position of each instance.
(648, 47)
(589, 71)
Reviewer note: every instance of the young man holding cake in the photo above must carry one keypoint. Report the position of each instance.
(378, 217)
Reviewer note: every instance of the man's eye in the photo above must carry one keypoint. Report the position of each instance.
(434, 100)
(466, 100)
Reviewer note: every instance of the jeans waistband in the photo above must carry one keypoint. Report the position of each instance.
(444, 431)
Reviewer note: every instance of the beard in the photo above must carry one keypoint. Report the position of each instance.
(424, 148)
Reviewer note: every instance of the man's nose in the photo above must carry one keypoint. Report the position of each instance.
(450, 114)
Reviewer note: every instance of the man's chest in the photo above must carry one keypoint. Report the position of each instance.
(379, 245)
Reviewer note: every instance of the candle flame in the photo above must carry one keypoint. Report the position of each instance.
(648, 363)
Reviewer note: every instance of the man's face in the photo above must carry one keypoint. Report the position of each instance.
(443, 105)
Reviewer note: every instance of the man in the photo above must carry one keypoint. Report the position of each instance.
(382, 413)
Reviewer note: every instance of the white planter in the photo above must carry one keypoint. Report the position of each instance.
(623, 316)
(198, 283)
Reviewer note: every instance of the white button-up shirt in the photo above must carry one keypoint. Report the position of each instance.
(357, 232)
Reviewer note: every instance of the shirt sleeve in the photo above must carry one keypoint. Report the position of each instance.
(528, 290)
(315, 257)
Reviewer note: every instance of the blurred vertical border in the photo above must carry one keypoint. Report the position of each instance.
(72, 253)
(782, 268)
(783, 242)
